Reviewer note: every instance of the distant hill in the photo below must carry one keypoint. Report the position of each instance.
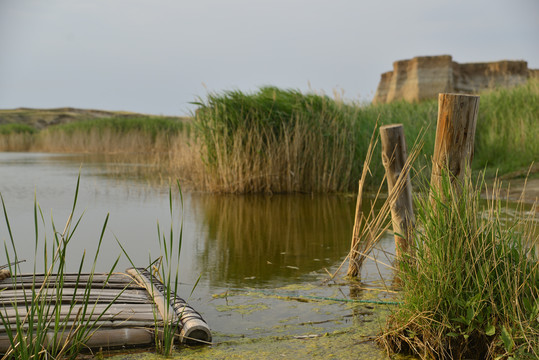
(42, 118)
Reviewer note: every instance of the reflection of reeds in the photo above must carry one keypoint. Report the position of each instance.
(260, 235)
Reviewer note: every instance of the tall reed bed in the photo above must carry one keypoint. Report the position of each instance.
(508, 128)
(471, 289)
(151, 135)
(276, 140)
(112, 135)
(279, 141)
(16, 137)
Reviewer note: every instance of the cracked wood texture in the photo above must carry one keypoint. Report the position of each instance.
(394, 156)
(455, 134)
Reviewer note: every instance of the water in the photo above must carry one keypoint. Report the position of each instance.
(249, 252)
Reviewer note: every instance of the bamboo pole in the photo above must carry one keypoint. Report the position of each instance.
(455, 133)
(194, 329)
(394, 156)
(101, 338)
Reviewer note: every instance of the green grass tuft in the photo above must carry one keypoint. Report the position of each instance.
(471, 289)
(8, 129)
(151, 126)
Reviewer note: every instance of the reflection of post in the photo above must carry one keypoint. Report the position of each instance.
(394, 157)
(455, 133)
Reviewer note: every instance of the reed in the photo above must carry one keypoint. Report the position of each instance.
(471, 289)
(167, 269)
(41, 329)
(165, 278)
(112, 135)
(278, 141)
(508, 128)
(16, 137)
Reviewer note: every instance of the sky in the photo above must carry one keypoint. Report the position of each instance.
(157, 56)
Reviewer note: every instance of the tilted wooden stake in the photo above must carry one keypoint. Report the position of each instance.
(455, 133)
(394, 156)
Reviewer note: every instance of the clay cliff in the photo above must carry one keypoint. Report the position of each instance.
(423, 77)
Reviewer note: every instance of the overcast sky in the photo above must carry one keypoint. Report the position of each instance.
(155, 56)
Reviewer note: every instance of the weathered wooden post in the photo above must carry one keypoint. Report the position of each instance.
(455, 133)
(394, 156)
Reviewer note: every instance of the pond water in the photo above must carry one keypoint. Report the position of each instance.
(253, 254)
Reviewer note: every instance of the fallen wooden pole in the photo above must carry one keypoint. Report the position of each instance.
(394, 157)
(455, 134)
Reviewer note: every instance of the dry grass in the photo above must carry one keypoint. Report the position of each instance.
(297, 161)
(102, 141)
(16, 142)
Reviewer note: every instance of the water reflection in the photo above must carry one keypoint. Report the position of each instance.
(281, 243)
(263, 239)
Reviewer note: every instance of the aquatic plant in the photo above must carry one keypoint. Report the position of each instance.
(16, 137)
(46, 322)
(163, 280)
(167, 269)
(471, 289)
(15, 128)
(508, 128)
(278, 141)
(153, 135)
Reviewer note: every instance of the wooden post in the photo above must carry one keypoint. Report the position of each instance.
(394, 158)
(455, 133)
